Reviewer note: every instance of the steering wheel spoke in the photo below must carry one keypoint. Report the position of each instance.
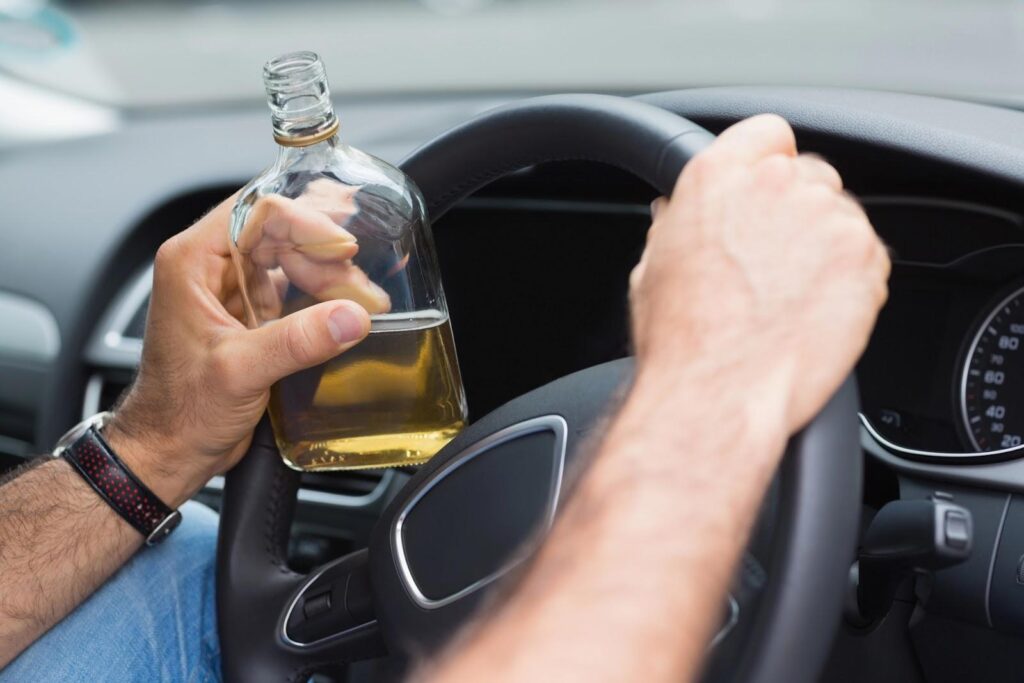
(276, 623)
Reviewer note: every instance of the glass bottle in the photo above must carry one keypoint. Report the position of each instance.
(327, 221)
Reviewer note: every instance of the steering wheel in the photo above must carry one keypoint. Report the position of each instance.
(466, 517)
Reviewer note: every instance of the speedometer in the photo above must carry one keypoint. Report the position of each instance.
(992, 385)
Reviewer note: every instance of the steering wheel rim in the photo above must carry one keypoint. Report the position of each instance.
(820, 478)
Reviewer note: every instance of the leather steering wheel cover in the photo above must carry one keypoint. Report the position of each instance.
(649, 142)
(821, 482)
(820, 478)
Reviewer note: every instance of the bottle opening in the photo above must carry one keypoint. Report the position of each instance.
(299, 99)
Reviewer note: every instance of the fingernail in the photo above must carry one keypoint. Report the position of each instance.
(654, 209)
(345, 326)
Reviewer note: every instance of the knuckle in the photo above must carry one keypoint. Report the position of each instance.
(298, 342)
(774, 171)
(851, 204)
(775, 125)
(702, 166)
(833, 173)
(862, 246)
(168, 253)
(885, 260)
(825, 169)
(820, 198)
(774, 130)
(635, 276)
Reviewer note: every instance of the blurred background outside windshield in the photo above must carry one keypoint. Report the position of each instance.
(79, 58)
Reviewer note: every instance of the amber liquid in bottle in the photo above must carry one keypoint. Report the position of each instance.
(394, 399)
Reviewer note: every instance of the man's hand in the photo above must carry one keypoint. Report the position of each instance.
(757, 291)
(763, 268)
(205, 378)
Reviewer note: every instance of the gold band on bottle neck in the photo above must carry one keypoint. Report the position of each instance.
(306, 140)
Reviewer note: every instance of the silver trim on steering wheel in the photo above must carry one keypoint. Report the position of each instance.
(283, 627)
(553, 423)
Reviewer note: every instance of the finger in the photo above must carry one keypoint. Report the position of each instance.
(755, 138)
(657, 205)
(298, 341)
(814, 169)
(852, 206)
(335, 200)
(342, 280)
(278, 225)
(353, 284)
(211, 231)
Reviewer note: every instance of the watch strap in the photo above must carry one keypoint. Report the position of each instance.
(96, 462)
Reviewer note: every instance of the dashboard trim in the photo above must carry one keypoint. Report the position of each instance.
(1004, 475)
(941, 456)
(109, 346)
(992, 562)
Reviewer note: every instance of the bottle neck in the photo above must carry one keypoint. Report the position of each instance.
(317, 153)
(300, 100)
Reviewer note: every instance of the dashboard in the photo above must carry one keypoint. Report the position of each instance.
(941, 381)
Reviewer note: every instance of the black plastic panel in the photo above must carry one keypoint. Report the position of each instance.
(961, 591)
(492, 503)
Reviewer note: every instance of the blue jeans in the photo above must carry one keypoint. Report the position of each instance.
(155, 620)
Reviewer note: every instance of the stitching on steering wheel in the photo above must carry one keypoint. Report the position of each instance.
(272, 527)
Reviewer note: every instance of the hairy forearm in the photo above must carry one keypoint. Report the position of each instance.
(637, 566)
(58, 543)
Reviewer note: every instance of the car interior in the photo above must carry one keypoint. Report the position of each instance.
(891, 546)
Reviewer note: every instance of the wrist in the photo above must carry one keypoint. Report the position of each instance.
(157, 465)
(745, 406)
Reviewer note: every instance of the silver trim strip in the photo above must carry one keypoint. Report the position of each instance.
(28, 330)
(999, 454)
(108, 345)
(967, 363)
(992, 562)
(295, 601)
(93, 394)
(729, 625)
(554, 423)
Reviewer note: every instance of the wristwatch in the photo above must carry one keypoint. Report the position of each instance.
(89, 454)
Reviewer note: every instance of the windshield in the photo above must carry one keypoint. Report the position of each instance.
(153, 53)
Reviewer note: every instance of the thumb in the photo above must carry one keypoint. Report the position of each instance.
(300, 340)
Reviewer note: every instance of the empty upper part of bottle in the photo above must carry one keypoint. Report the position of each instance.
(299, 97)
